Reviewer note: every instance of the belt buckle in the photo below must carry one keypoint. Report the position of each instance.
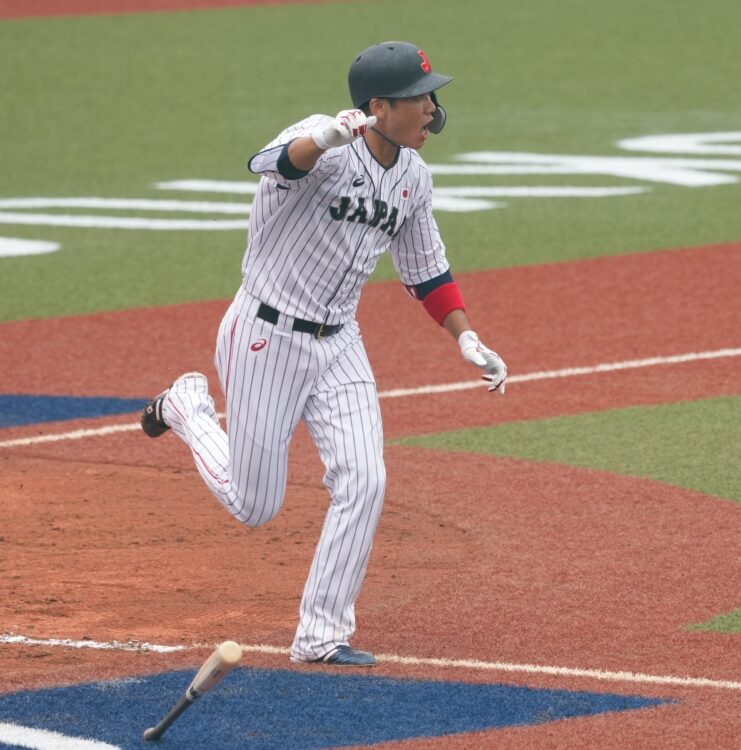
(319, 333)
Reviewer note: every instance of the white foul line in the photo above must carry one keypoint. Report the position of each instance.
(569, 372)
(137, 646)
(596, 674)
(534, 669)
(74, 435)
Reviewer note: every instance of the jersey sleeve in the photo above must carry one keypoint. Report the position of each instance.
(417, 250)
(270, 161)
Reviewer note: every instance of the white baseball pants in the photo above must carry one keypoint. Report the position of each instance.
(272, 377)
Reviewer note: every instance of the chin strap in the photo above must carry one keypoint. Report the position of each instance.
(385, 137)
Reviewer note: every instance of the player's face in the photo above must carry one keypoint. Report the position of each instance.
(408, 119)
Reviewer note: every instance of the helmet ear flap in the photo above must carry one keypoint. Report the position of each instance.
(439, 116)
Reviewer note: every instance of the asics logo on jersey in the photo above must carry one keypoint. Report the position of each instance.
(259, 344)
(360, 213)
(358, 181)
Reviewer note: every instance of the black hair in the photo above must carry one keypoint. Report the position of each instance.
(365, 108)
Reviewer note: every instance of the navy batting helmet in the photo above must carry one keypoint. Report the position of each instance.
(395, 70)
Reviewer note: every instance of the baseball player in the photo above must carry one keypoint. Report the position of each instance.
(335, 193)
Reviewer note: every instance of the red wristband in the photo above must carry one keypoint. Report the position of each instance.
(440, 302)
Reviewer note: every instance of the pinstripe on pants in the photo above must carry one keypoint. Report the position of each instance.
(329, 384)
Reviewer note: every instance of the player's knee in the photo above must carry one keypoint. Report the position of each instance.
(253, 521)
(253, 513)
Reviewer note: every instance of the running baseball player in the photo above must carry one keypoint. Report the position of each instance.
(335, 193)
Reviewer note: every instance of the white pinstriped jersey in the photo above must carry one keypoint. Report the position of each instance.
(315, 241)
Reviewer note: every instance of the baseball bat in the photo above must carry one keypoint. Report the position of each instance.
(212, 672)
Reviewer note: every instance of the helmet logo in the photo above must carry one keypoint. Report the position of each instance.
(426, 67)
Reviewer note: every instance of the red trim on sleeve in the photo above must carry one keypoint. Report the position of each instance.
(440, 302)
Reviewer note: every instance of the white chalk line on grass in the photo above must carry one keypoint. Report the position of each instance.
(43, 739)
(474, 664)
(568, 372)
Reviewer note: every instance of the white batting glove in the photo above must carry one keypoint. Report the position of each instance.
(490, 362)
(346, 127)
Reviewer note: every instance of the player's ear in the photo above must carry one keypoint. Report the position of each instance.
(377, 107)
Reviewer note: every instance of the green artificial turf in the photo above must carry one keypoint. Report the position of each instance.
(695, 444)
(728, 623)
(107, 106)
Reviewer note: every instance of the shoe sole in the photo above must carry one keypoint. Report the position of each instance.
(339, 663)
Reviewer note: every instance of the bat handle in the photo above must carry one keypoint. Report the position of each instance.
(154, 733)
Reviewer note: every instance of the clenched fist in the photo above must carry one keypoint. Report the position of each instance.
(495, 371)
(345, 128)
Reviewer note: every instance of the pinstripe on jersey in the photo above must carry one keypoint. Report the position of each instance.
(306, 264)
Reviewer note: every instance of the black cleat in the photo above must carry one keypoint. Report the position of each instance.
(151, 421)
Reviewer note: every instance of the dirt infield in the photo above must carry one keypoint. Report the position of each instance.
(477, 557)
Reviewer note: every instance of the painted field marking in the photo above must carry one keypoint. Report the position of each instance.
(74, 435)
(666, 168)
(243, 187)
(129, 204)
(491, 666)
(42, 739)
(13, 247)
(121, 222)
(596, 674)
(136, 646)
(124, 222)
(568, 372)
(443, 198)
(548, 191)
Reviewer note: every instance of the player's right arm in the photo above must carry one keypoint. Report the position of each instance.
(304, 153)
(297, 150)
(348, 125)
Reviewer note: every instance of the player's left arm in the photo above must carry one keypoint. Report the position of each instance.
(443, 301)
(418, 253)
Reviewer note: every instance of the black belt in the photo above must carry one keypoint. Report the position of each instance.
(320, 330)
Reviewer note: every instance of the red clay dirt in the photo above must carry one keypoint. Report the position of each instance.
(477, 557)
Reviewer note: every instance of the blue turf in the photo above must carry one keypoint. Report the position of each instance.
(16, 410)
(294, 710)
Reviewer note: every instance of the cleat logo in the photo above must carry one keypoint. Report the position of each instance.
(259, 344)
